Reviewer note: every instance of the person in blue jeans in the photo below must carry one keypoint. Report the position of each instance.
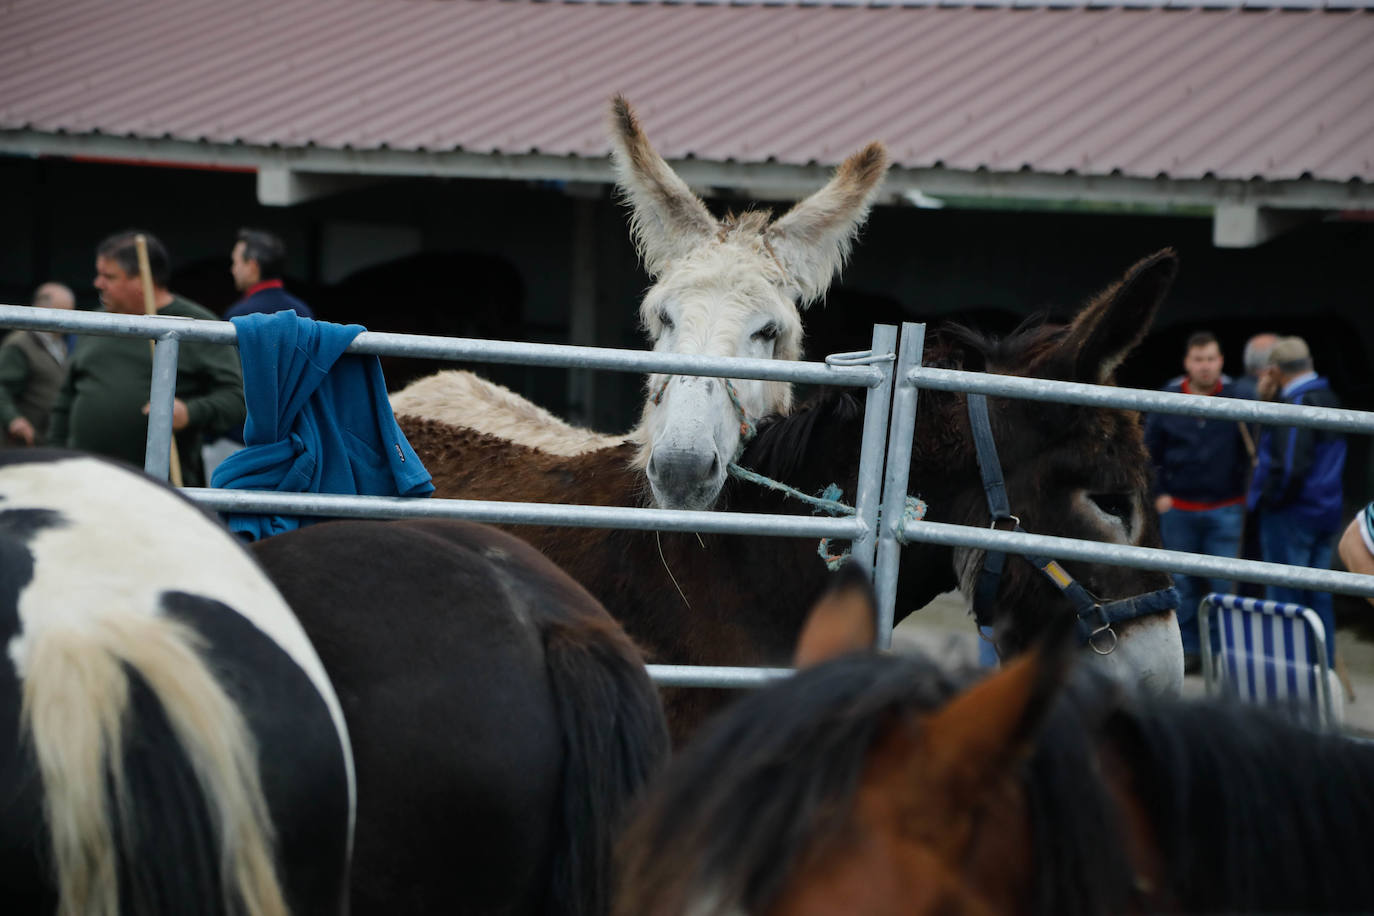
(1201, 469)
(1297, 480)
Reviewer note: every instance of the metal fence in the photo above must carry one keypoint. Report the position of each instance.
(892, 375)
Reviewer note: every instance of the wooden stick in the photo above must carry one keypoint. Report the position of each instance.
(145, 272)
(1249, 441)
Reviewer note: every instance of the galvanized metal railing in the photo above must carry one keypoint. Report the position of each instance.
(871, 370)
(893, 376)
(912, 376)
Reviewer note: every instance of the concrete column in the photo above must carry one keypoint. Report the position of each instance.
(1246, 226)
(582, 325)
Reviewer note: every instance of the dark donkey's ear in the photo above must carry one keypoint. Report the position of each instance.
(1117, 320)
(843, 620)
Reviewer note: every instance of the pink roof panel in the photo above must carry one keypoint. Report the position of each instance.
(1146, 90)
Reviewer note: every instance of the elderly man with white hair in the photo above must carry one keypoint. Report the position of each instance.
(31, 368)
(1297, 481)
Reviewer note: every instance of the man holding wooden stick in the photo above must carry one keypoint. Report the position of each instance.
(103, 404)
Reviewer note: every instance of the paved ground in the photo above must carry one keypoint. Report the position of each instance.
(945, 630)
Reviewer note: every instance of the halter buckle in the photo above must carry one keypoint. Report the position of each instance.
(1015, 523)
(1105, 628)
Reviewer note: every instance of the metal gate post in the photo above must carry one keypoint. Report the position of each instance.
(877, 403)
(157, 454)
(900, 435)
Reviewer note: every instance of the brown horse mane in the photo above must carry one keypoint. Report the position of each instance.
(766, 790)
(745, 804)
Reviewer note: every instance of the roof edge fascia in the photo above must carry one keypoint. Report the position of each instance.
(759, 179)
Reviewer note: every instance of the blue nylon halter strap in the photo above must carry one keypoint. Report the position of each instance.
(1095, 618)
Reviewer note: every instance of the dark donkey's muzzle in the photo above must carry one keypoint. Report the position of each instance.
(1096, 619)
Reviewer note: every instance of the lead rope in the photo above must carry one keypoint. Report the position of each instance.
(828, 502)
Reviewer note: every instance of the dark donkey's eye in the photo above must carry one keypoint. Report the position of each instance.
(1119, 504)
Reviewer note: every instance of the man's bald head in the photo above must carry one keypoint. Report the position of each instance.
(54, 296)
(1257, 349)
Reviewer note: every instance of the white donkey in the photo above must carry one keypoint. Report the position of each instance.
(731, 287)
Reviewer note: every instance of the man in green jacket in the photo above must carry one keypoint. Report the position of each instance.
(32, 364)
(103, 404)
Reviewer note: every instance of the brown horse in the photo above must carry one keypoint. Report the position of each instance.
(733, 600)
(722, 287)
(881, 785)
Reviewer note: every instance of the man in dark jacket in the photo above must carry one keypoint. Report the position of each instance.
(1201, 468)
(1256, 359)
(1297, 481)
(256, 263)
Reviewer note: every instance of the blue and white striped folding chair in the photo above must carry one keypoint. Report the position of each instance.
(1271, 653)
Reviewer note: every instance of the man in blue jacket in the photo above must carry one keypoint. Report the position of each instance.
(256, 263)
(1201, 468)
(1297, 481)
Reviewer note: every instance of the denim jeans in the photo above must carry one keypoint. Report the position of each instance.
(1215, 532)
(1288, 540)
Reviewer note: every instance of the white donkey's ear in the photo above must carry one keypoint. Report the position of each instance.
(811, 241)
(667, 220)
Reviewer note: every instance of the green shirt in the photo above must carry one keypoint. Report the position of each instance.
(31, 370)
(100, 406)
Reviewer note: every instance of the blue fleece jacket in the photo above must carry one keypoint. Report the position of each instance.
(318, 420)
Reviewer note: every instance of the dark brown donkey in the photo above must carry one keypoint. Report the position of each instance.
(502, 723)
(734, 600)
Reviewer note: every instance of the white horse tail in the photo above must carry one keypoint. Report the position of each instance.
(116, 705)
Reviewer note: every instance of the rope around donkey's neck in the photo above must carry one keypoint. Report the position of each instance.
(829, 502)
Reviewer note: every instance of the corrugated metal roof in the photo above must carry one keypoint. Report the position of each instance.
(1187, 93)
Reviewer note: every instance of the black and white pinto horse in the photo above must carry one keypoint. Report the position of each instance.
(169, 742)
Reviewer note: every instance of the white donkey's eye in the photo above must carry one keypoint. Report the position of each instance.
(665, 319)
(769, 331)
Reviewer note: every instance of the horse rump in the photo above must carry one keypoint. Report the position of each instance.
(501, 720)
(615, 738)
(149, 771)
